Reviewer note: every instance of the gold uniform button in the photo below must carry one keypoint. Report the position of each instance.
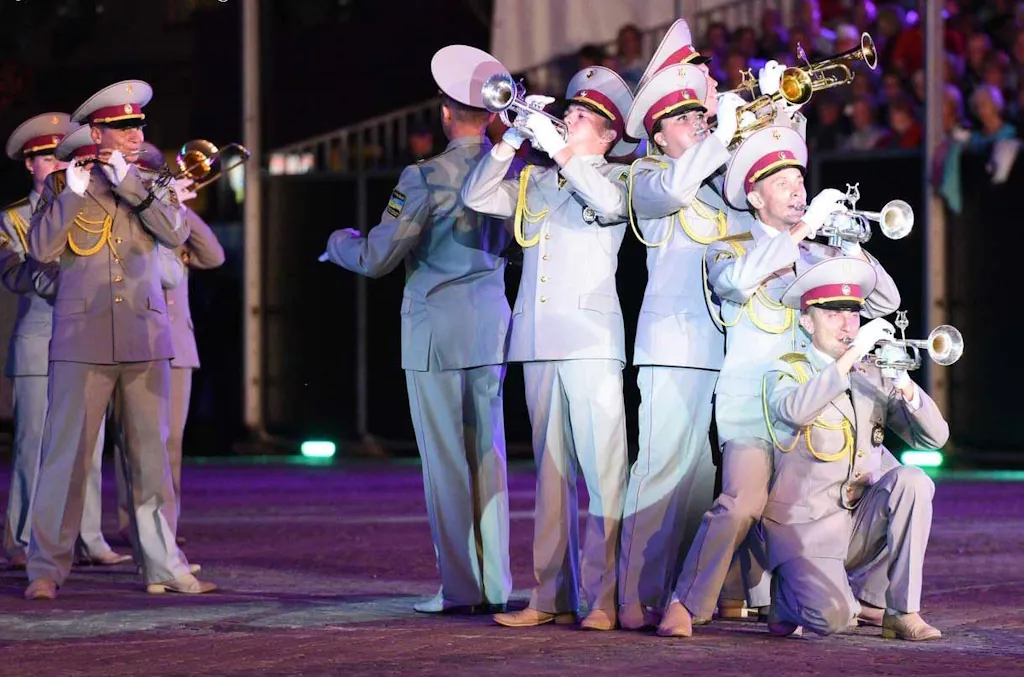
(118, 240)
(543, 278)
(545, 257)
(170, 302)
(543, 299)
(547, 236)
(118, 299)
(118, 278)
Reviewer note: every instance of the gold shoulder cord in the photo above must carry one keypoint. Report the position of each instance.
(705, 212)
(104, 230)
(797, 361)
(20, 227)
(523, 212)
(769, 303)
(632, 217)
(715, 316)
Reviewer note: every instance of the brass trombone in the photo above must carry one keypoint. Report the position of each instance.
(198, 161)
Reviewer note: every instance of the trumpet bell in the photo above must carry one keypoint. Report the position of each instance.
(796, 85)
(945, 345)
(896, 219)
(199, 161)
(868, 52)
(499, 91)
(196, 158)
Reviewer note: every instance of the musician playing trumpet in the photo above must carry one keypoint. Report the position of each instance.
(111, 336)
(842, 510)
(747, 274)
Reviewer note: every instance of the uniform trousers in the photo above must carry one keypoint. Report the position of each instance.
(458, 418)
(79, 394)
(578, 417)
(746, 473)
(890, 526)
(671, 484)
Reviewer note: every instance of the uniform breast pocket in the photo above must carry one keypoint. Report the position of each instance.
(606, 304)
(157, 304)
(664, 306)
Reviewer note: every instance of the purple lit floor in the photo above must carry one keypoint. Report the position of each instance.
(319, 568)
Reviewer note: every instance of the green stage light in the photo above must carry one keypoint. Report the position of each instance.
(922, 458)
(318, 449)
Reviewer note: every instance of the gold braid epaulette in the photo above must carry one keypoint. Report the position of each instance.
(799, 363)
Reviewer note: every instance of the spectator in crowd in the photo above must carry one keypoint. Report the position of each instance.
(716, 41)
(945, 173)
(904, 130)
(988, 108)
(774, 36)
(866, 134)
(830, 127)
(630, 61)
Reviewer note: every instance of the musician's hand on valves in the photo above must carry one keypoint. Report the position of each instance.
(538, 101)
(727, 105)
(825, 204)
(545, 136)
(116, 168)
(870, 334)
(513, 137)
(182, 187)
(769, 78)
(78, 178)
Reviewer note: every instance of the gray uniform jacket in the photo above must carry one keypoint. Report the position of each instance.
(110, 307)
(454, 306)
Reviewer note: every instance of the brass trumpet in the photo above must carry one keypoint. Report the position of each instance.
(944, 345)
(798, 84)
(895, 220)
(502, 94)
(198, 161)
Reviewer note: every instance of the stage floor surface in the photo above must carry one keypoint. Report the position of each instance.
(319, 566)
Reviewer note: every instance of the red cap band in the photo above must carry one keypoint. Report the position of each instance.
(682, 55)
(670, 103)
(831, 292)
(773, 160)
(603, 104)
(38, 143)
(115, 113)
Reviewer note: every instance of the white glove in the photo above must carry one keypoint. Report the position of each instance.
(182, 188)
(545, 136)
(824, 204)
(851, 249)
(77, 177)
(116, 168)
(960, 135)
(902, 379)
(727, 105)
(770, 77)
(870, 334)
(513, 137)
(538, 101)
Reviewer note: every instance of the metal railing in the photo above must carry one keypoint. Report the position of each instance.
(380, 142)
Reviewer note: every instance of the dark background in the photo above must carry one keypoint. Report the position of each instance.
(327, 63)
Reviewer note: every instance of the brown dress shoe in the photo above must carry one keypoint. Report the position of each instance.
(41, 588)
(676, 621)
(528, 617)
(598, 619)
(637, 617)
(107, 559)
(186, 585)
(910, 627)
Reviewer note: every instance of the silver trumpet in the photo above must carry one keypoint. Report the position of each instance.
(502, 95)
(944, 345)
(895, 220)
